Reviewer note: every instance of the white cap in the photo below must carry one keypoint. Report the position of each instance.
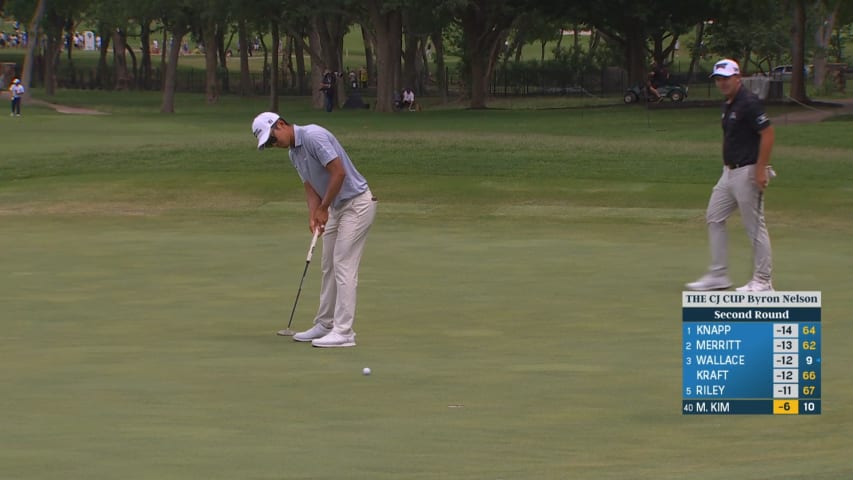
(725, 68)
(16, 81)
(261, 127)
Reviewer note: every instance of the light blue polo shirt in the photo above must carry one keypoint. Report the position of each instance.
(314, 147)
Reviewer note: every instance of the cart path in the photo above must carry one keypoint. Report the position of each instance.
(58, 108)
(811, 114)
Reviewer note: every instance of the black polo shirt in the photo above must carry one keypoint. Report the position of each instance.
(742, 121)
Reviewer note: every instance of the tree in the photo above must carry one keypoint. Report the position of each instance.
(386, 24)
(210, 17)
(274, 72)
(52, 24)
(485, 25)
(798, 52)
(828, 13)
(325, 26)
(756, 33)
(29, 59)
(243, 40)
(177, 20)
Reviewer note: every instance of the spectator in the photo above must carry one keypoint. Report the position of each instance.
(353, 80)
(408, 99)
(362, 76)
(16, 91)
(328, 89)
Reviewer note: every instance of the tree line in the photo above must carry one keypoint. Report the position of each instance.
(402, 36)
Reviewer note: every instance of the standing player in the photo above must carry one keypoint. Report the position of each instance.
(340, 205)
(17, 91)
(747, 141)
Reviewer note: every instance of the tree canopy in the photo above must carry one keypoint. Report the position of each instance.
(402, 37)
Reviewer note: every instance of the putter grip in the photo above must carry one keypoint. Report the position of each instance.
(313, 244)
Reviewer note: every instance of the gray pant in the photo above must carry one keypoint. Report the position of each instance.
(736, 189)
(343, 243)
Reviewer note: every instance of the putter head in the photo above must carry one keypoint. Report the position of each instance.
(285, 333)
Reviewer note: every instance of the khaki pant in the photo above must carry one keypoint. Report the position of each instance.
(736, 189)
(343, 244)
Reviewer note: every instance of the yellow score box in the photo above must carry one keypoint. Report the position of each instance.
(786, 407)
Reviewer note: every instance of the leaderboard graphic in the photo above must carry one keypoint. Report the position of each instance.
(751, 353)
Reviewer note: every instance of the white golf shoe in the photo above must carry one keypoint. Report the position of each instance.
(710, 282)
(756, 286)
(315, 332)
(335, 339)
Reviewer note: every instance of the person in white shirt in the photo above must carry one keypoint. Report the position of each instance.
(17, 91)
(408, 100)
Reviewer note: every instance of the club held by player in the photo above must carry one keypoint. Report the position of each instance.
(287, 332)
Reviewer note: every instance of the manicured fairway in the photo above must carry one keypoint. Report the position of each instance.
(519, 299)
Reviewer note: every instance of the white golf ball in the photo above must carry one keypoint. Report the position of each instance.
(365, 371)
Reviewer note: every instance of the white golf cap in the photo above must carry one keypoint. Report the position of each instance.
(261, 127)
(16, 81)
(725, 68)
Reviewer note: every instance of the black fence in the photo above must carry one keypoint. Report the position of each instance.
(611, 81)
(188, 80)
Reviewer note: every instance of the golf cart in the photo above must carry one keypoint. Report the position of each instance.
(639, 91)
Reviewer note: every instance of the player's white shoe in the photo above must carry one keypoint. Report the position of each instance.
(756, 286)
(710, 281)
(335, 339)
(317, 331)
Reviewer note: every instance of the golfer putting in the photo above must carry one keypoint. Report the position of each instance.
(340, 206)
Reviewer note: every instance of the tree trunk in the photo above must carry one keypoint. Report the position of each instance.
(330, 31)
(478, 82)
(245, 75)
(388, 28)
(317, 66)
(52, 49)
(410, 54)
(69, 40)
(30, 58)
(274, 71)
(134, 69)
(211, 82)
(369, 63)
(798, 49)
(223, 57)
(170, 78)
(144, 78)
(164, 48)
(483, 31)
(697, 50)
(440, 68)
(823, 36)
(300, 66)
(103, 69)
(120, 60)
(635, 53)
(287, 58)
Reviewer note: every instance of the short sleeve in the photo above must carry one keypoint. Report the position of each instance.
(756, 116)
(321, 148)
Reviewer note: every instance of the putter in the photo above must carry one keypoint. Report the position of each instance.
(287, 332)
